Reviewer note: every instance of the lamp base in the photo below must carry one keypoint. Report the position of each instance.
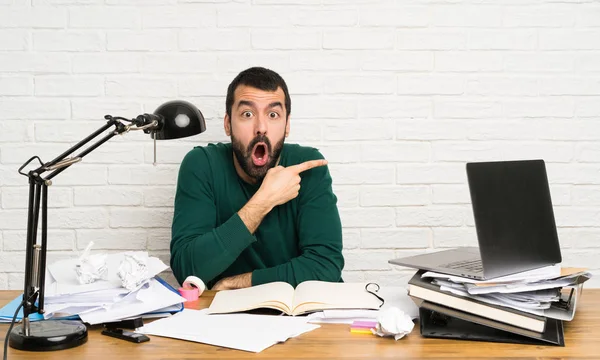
(49, 335)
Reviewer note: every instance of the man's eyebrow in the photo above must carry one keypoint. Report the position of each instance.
(245, 102)
(275, 104)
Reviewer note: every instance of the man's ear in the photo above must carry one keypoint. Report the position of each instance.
(227, 125)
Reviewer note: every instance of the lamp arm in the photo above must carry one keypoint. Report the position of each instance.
(35, 255)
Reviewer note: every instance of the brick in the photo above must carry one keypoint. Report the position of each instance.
(353, 276)
(351, 238)
(108, 196)
(171, 152)
(80, 218)
(10, 176)
(323, 18)
(554, 16)
(159, 239)
(420, 61)
(451, 194)
(37, 109)
(178, 63)
(450, 107)
(14, 40)
(323, 107)
(431, 215)
(359, 85)
(13, 219)
(576, 216)
(356, 130)
(355, 174)
(466, 16)
(395, 152)
(236, 61)
(502, 39)
(570, 86)
(95, 109)
(286, 39)
(13, 131)
(156, 197)
(58, 85)
(144, 40)
(142, 175)
(16, 280)
(254, 17)
(329, 61)
(585, 195)
(229, 39)
(106, 63)
(18, 154)
(578, 174)
(367, 260)
(65, 2)
(16, 85)
(68, 40)
(12, 262)
(502, 86)
(3, 281)
(539, 62)
(587, 106)
(444, 237)
(588, 152)
(18, 197)
(561, 194)
(303, 131)
(340, 153)
(394, 107)
(564, 39)
(467, 61)
(102, 17)
(587, 15)
(486, 151)
(300, 83)
(395, 238)
(417, 16)
(426, 39)
(180, 16)
(393, 280)
(82, 174)
(572, 237)
(388, 196)
(588, 62)
(57, 240)
(112, 239)
(142, 86)
(539, 107)
(358, 39)
(34, 17)
(429, 129)
(144, 218)
(207, 85)
(361, 218)
(431, 174)
(430, 85)
(146, 2)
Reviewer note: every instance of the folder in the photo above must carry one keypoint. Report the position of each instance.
(438, 321)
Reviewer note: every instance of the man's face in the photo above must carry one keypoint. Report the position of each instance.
(258, 127)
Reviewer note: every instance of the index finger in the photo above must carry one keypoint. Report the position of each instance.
(307, 165)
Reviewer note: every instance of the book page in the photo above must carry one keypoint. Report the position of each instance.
(321, 295)
(276, 295)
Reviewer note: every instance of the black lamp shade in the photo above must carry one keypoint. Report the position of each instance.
(179, 119)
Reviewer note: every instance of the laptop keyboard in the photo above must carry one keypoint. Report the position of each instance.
(471, 265)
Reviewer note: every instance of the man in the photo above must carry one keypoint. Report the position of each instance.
(256, 210)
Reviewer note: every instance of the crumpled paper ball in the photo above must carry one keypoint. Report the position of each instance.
(90, 268)
(393, 322)
(133, 271)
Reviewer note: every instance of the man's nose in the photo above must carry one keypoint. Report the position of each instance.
(261, 125)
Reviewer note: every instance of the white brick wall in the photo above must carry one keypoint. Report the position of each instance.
(397, 95)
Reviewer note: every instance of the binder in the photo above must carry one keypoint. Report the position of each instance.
(438, 321)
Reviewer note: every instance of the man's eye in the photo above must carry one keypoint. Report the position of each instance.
(273, 115)
(247, 114)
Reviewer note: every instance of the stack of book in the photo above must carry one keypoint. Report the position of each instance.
(522, 310)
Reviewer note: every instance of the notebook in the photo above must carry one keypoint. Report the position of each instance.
(308, 296)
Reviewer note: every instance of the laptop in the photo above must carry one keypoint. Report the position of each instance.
(514, 221)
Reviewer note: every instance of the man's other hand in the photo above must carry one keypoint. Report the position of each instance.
(234, 282)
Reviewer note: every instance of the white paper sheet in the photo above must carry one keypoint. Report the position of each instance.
(236, 331)
(547, 272)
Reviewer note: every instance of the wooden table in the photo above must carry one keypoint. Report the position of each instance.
(582, 338)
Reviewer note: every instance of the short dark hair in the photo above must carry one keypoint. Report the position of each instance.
(262, 79)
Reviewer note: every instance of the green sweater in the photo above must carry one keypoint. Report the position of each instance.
(297, 241)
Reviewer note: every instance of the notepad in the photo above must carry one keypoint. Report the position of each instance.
(308, 297)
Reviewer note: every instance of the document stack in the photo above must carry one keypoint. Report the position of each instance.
(107, 299)
(527, 307)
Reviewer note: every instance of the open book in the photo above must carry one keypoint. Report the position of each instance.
(308, 296)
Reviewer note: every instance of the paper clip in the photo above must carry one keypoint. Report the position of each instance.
(374, 292)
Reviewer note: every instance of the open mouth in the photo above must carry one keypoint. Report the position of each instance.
(260, 156)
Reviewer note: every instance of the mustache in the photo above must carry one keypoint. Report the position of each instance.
(256, 140)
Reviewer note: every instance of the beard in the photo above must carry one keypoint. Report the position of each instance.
(244, 155)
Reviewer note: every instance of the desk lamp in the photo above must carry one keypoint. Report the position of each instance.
(171, 120)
